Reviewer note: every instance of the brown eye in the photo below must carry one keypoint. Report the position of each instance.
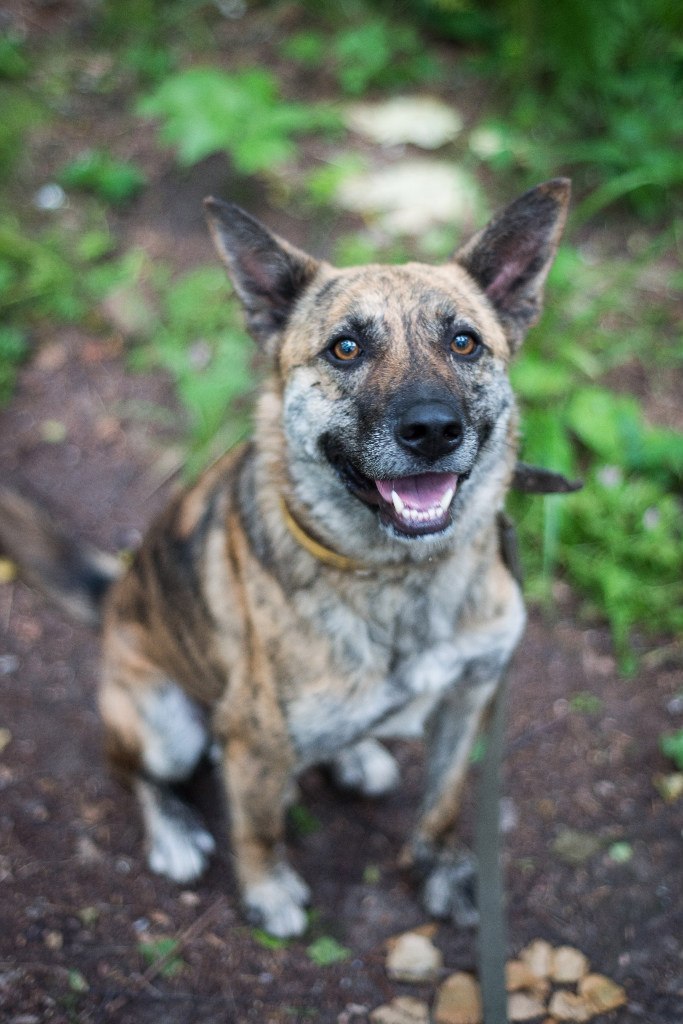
(345, 350)
(465, 344)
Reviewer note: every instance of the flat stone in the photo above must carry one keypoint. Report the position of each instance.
(402, 1010)
(538, 956)
(566, 1006)
(414, 958)
(422, 121)
(568, 965)
(411, 196)
(601, 993)
(458, 1001)
(524, 1006)
(520, 977)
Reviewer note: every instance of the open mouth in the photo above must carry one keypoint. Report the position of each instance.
(414, 505)
(420, 504)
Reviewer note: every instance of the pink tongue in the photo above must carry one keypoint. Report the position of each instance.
(419, 492)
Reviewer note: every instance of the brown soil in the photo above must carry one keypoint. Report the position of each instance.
(75, 894)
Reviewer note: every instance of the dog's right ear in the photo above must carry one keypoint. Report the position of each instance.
(268, 273)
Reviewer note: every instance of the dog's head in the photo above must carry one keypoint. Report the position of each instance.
(391, 382)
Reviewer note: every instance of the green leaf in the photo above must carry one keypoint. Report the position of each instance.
(154, 950)
(326, 951)
(268, 941)
(672, 746)
(77, 982)
(115, 181)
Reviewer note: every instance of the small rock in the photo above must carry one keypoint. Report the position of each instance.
(601, 993)
(519, 976)
(670, 787)
(414, 958)
(8, 572)
(568, 965)
(53, 940)
(523, 1006)
(565, 1005)
(88, 852)
(402, 1010)
(458, 1001)
(538, 956)
(574, 847)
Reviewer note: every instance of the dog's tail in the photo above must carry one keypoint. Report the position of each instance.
(74, 575)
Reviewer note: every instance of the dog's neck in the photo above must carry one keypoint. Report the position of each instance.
(320, 551)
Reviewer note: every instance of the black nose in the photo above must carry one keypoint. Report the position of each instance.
(430, 429)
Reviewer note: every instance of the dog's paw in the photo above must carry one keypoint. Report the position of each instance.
(367, 768)
(449, 886)
(178, 845)
(276, 903)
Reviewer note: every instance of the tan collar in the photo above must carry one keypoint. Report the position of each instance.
(324, 554)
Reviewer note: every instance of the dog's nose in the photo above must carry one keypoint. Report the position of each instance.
(430, 429)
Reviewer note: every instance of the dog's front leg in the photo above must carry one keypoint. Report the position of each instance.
(451, 732)
(258, 768)
(447, 870)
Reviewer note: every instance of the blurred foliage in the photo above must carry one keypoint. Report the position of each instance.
(198, 338)
(594, 87)
(205, 111)
(96, 171)
(378, 53)
(620, 540)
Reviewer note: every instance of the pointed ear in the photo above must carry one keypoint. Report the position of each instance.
(510, 258)
(268, 273)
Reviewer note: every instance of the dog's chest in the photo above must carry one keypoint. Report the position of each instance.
(386, 647)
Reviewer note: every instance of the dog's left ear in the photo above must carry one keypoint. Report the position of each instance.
(510, 258)
(268, 273)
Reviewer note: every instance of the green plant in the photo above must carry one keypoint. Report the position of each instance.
(672, 746)
(620, 540)
(205, 111)
(153, 951)
(200, 341)
(114, 181)
(13, 349)
(326, 951)
(377, 53)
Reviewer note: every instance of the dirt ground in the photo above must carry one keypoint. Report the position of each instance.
(77, 903)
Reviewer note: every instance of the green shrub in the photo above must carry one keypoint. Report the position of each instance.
(205, 111)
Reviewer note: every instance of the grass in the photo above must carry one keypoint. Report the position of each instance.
(564, 103)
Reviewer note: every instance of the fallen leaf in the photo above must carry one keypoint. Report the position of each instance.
(458, 1001)
(568, 965)
(601, 993)
(5, 739)
(402, 1010)
(414, 958)
(523, 1006)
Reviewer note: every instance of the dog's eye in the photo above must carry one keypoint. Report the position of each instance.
(345, 350)
(465, 344)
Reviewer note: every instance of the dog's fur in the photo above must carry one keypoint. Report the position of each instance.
(289, 605)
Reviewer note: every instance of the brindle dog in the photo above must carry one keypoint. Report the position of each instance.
(338, 579)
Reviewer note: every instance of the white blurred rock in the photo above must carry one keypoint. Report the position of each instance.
(409, 197)
(416, 120)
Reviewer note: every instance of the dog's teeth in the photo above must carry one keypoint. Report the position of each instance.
(447, 499)
(399, 504)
